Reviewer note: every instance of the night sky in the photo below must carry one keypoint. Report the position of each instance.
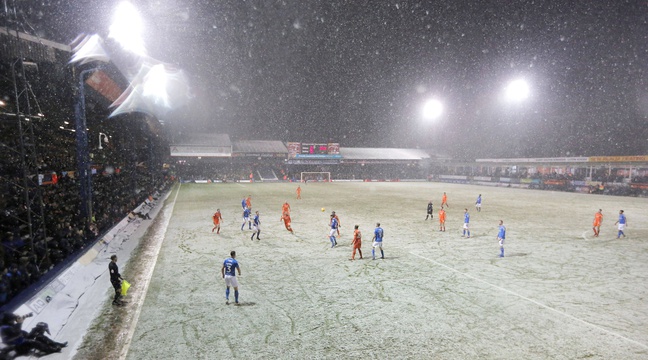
(359, 72)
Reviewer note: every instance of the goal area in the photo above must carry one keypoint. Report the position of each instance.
(315, 176)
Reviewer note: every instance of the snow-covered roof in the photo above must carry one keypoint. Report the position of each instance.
(259, 146)
(198, 139)
(383, 154)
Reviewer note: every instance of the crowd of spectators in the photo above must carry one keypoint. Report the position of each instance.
(603, 180)
(606, 182)
(123, 177)
(602, 174)
(197, 169)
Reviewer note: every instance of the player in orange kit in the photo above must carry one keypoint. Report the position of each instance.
(356, 242)
(442, 219)
(248, 202)
(285, 217)
(217, 218)
(444, 200)
(598, 219)
(298, 192)
(285, 207)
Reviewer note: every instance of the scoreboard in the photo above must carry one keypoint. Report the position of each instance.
(314, 149)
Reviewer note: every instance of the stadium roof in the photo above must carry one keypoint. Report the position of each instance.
(260, 146)
(195, 139)
(619, 161)
(383, 154)
(18, 44)
(202, 145)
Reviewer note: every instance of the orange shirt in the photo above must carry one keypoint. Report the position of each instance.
(286, 218)
(444, 199)
(598, 218)
(442, 216)
(285, 208)
(217, 218)
(248, 202)
(298, 190)
(357, 238)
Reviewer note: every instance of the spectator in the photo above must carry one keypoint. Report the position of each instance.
(16, 339)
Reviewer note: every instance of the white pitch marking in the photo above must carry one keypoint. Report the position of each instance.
(147, 279)
(534, 302)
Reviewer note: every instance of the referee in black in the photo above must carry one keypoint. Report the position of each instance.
(115, 280)
(430, 211)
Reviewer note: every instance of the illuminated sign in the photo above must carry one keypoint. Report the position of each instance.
(317, 151)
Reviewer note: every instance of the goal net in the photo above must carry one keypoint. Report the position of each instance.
(316, 176)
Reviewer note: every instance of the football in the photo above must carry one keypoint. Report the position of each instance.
(323, 209)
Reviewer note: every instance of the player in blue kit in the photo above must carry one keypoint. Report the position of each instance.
(377, 241)
(256, 226)
(466, 228)
(246, 219)
(501, 235)
(622, 224)
(244, 204)
(230, 265)
(478, 203)
(334, 229)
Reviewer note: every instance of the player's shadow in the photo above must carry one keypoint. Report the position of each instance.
(516, 254)
(246, 303)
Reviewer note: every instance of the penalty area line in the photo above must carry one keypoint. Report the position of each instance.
(535, 302)
(147, 279)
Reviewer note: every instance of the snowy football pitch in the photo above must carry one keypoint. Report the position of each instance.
(558, 294)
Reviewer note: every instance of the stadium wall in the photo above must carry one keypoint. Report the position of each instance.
(55, 301)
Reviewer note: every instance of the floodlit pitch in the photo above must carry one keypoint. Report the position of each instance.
(559, 293)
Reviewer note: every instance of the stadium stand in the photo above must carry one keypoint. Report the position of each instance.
(42, 229)
(267, 174)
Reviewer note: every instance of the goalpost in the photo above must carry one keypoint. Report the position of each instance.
(315, 176)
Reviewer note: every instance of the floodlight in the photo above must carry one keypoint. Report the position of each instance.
(155, 85)
(517, 90)
(127, 28)
(432, 109)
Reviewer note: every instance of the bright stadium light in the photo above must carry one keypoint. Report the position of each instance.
(155, 85)
(517, 90)
(432, 109)
(127, 28)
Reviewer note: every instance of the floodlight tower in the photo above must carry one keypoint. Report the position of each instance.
(431, 112)
(83, 153)
(126, 30)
